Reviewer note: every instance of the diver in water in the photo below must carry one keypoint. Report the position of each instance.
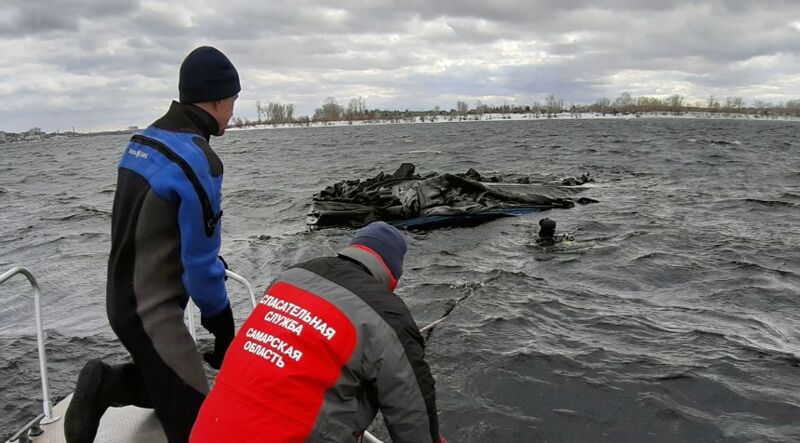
(547, 233)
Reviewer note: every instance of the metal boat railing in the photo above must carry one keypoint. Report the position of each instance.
(32, 428)
(47, 405)
(190, 308)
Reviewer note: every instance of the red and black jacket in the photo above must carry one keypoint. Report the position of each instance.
(328, 346)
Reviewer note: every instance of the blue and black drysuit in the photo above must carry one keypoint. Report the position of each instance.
(165, 241)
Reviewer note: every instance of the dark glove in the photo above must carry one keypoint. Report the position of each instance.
(225, 264)
(221, 326)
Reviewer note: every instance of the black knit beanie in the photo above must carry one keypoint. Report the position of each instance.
(207, 75)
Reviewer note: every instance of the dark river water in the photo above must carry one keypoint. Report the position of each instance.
(673, 316)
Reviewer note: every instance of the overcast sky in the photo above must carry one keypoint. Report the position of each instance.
(110, 64)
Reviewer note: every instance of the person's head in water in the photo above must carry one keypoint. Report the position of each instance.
(209, 81)
(387, 241)
(547, 228)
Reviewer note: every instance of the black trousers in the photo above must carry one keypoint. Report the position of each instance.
(166, 373)
(176, 404)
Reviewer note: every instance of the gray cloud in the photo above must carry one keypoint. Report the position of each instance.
(108, 64)
(49, 17)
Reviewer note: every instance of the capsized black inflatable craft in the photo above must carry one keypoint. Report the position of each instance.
(411, 201)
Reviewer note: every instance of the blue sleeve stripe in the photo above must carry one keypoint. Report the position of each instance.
(210, 219)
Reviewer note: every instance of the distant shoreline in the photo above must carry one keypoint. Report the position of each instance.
(521, 117)
(426, 119)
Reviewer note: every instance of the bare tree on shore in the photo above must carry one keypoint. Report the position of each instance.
(462, 108)
(734, 103)
(624, 102)
(675, 102)
(553, 105)
(713, 103)
(289, 113)
(330, 111)
(356, 109)
(603, 105)
(259, 111)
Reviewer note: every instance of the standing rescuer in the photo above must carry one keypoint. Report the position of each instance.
(328, 346)
(165, 241)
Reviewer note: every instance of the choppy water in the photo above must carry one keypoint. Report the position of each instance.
(673, 317)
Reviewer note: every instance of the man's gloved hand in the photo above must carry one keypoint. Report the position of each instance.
(224, 263)
(221, 326)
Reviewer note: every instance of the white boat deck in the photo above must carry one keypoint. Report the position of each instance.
(122, 425)
(118, 425)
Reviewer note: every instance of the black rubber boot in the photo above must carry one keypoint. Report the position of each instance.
(88, 404)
